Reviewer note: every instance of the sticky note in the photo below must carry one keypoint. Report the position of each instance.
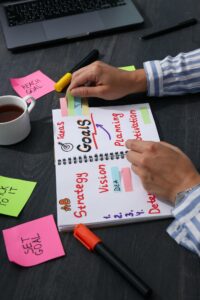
(36, 84)
(63, 107)
(128, 68)
(14, 193)
(126, 177)
(85, 107)
(77, 106)
(116, 179)
(70, 101)
(145, 115)
(34, 242)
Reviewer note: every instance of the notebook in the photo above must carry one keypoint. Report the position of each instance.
(28, 23)
(94, 181)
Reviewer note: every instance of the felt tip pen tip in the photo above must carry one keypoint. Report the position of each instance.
(86, 236)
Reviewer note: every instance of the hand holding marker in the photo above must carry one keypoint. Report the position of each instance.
(65, 80)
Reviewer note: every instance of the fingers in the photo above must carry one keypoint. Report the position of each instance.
(88, 91)
(136, 170)
(86, 74)
(140, 146)
(82, 79)
(134, 158)
(170, 146)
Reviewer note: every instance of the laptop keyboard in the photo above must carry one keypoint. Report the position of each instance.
(40, 10)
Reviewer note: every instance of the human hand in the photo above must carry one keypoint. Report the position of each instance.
(104, 81)
(163, 168)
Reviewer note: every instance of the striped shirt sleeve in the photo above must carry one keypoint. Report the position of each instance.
(174, 75)
(185, 229)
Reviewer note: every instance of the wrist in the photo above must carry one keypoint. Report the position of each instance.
(136, 81)
(182, 195)
(186, 188)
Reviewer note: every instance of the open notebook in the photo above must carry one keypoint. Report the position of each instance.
(94, 181)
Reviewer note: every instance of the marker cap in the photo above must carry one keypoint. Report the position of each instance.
(86, 236)
(63, 82)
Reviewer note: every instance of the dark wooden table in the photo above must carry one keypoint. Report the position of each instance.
(171, 271)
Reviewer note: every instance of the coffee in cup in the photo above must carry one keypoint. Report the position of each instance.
(14, 118)
(10, 112)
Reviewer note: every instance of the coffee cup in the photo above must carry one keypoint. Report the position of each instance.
(14, 118)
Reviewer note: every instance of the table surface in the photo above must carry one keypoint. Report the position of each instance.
(170, 270)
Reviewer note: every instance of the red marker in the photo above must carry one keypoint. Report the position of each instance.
(94, 243)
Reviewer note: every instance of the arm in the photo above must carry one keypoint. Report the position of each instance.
(174, 75)
(170, 76)
(185, 230)
(106, 82)
(165, 171)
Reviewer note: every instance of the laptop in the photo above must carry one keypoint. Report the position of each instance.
(35, 22)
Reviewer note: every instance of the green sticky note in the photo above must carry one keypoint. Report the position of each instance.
(145, 115)
(128, 68)
(14, 193)
(71, 111)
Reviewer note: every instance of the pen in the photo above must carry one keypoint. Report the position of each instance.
(65, 80)
(169, 29)
(94, 243)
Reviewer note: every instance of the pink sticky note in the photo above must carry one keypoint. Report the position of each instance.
(63, 107)
(126, 176)
(34, 242)
(36, 84)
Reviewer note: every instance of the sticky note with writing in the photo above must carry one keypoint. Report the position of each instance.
(36, 84)
(14, 193)
(34, 242)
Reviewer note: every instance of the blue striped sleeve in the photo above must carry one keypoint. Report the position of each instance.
(174, 75)
(185, 229)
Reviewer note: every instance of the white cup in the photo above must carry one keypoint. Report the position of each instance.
(14, 131)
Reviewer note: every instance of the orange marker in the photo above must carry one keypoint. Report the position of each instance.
(94, 243)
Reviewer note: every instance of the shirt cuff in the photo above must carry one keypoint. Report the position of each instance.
(185, 229)
(154, 77)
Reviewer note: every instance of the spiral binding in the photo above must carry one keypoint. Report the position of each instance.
(91, 158)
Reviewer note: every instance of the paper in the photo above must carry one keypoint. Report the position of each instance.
(36, 84)
(14, 193)
(116, 179)
(94, 182)
(85, 107)
(145, 115)
(128, 68)
(70, 101)
(63, 106)
(34, 242)
(126, 177)
(76, 106)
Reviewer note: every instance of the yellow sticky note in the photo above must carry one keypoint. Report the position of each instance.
(85, 107)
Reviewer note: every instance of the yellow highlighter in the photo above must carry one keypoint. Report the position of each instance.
(65, 80)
